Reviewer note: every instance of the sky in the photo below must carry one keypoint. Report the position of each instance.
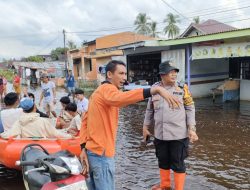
(32, 27)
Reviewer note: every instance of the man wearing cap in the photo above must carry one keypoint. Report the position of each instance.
(30, 124)
(82, 101)
(173, 127)
(100, 124)
(48, 95)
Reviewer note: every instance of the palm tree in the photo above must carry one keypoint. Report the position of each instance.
(141, 23)
(196, 20)
(71, 45)
(153, 29)
(171, 29)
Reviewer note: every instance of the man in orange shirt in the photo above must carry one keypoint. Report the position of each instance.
(100, 123)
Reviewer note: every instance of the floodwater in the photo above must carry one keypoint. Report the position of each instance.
(218, 161)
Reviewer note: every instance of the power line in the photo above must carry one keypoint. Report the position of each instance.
(221, 19)
(102, 30)
(113, 28)
(175, 9)
(27, 35)
(47, 45)
(239, 20)
(222, 7)
(224, 11)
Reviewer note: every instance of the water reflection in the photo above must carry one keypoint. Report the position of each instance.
(219, 161)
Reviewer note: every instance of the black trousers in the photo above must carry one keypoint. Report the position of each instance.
(171, 154)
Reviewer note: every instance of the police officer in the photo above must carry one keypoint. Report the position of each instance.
(173, 128)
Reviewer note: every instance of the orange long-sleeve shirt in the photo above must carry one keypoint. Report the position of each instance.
(100, 123)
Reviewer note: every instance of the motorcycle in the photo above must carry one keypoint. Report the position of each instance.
(45, 171)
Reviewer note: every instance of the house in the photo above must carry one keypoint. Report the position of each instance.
(208, 27)
(88, 60)
(46, 57)
(211, 59)
(30, 71)
(207, 55)
(80, 61)
(4, 65)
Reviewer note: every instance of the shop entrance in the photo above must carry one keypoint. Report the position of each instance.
(239, 68)
(144, 68)
(77, 67)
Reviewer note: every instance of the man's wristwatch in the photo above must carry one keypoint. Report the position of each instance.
(192, 128)
(83, 146)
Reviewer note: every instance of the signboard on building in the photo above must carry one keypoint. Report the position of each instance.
(221, 51)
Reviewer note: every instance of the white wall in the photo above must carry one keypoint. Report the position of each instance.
(203, 90)
(245, 90)
(194, 33)
(122, 58)
(178, 59)
(204, 70)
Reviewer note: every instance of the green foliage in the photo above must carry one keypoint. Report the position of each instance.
(71, 45)
(142, 25)
(196, 20)
(8, 74)
(153, 29)
(87, 85)
(172, 29)
(34, 59)
(56, 52)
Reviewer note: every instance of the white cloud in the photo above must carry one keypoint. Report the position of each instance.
(27, 27)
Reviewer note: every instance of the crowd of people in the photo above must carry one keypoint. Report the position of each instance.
(22, 119)
(170, 111)
(3, 87)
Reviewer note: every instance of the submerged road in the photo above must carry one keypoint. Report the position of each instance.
(219, 160)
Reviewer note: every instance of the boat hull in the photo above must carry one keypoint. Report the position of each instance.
(10, 149)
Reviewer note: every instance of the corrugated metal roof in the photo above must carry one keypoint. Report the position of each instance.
(43, 65)
(212, 26)
(208, 27)
(237, 33)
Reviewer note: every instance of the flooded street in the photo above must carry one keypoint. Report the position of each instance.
(219, 160)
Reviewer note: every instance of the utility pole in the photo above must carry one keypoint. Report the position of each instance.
(65, 52)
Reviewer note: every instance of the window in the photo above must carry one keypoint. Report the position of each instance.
(87, 65)
(245, 70)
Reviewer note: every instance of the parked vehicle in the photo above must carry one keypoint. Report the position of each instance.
(45, 171)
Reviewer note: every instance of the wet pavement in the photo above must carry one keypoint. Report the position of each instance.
(219, 160)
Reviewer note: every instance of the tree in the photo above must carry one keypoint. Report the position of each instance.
(34, 59)
(141, 24)
(71, 45)
(153, 29)
(196, 20)
(171, 29)
(55, 53)
(83, 43)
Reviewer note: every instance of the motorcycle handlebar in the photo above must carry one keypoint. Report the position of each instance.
(26, 163)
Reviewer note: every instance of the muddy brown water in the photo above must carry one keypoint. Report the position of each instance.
(219, 160)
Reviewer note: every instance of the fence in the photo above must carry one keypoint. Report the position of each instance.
(83, 83)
